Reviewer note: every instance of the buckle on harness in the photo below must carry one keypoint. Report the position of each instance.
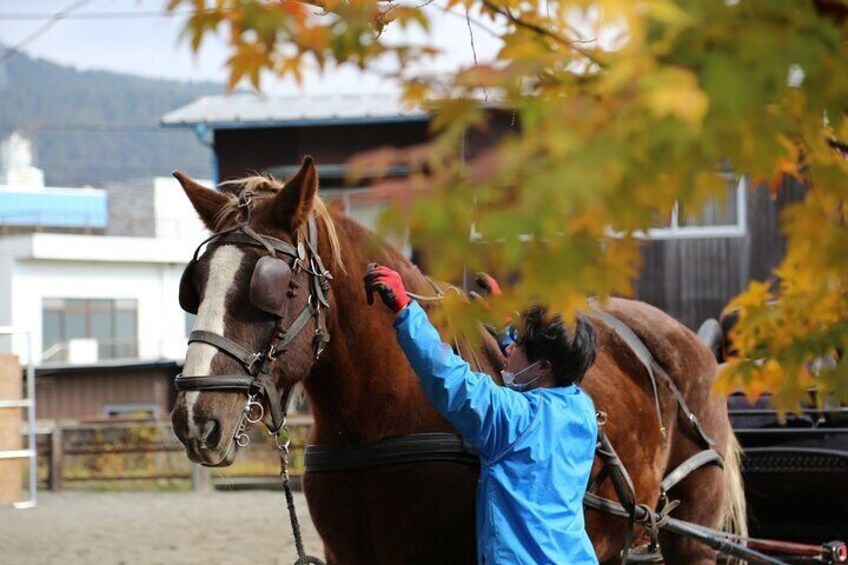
(251, 367)
(273, 353)
(318, 343)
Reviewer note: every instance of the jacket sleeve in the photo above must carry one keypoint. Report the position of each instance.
(489, 417)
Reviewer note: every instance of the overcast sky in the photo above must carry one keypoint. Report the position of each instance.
(133, 40)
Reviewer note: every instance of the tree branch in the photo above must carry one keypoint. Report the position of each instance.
(537, 28)
(474, 21)
(840, 146)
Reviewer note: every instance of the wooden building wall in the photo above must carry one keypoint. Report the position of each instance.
(693, 279)
(82, 393)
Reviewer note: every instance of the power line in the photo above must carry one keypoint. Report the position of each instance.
(94, 15)
(54, 19)
(51, 167)
(87, 127)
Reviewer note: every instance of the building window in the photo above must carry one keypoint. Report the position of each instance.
(716, 219)
(111, 324)
(141, 410)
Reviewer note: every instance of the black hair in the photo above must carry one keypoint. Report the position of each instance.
(545, 337)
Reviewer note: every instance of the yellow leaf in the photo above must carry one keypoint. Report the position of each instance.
(675, 92)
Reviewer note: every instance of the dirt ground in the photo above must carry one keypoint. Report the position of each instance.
(74, 528)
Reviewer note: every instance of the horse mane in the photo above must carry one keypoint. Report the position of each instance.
(264, 187)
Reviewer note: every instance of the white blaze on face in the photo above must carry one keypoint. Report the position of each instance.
(210, 317)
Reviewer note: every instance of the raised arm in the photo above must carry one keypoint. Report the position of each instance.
(491, 418)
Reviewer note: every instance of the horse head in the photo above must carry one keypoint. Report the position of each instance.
(259, 291)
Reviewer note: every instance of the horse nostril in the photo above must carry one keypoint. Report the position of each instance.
(178, 421)
(211, 433)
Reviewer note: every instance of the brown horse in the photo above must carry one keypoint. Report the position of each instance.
(362, 390)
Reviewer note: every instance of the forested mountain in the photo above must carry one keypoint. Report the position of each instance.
(91, 127)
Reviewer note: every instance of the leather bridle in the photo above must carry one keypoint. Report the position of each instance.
(257, 381)
(268, 292)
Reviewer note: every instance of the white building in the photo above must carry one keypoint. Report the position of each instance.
(88, 298)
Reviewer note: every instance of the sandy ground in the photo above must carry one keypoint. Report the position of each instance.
(174, 528)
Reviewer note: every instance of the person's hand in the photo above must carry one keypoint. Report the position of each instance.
(487, 284)
(488, 287)
(388, 284)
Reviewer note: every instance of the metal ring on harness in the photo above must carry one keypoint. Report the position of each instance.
(249, 408)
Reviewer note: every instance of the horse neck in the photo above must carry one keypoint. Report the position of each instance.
(363, 388)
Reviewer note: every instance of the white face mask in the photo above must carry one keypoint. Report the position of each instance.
(509, 378)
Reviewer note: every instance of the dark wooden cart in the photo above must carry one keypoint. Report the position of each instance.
(796, 472)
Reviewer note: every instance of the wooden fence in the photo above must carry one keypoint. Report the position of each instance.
(146, 454)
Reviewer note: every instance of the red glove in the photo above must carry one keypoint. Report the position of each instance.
(487, 284)
(388, 284)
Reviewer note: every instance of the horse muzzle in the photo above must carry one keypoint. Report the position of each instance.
(207, 440)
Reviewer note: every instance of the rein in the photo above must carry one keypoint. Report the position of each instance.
(440, 294)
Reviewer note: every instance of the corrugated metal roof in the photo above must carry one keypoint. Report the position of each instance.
(264, 111)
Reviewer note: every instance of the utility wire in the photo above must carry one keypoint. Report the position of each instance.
(94, 15)
(123, 15)
(12, 51)
(85, 127)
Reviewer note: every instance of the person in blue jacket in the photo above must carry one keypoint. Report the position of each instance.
(535, 436)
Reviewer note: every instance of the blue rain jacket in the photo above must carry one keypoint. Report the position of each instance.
(536, 451)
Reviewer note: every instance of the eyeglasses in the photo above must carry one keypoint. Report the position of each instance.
(512, 335)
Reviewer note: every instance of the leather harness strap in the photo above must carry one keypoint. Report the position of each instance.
(621, 482)
(641, 352)
(238, 237)
(414, 448)
(226, 345)
(210, 382)
(291, 332)
(700, 459)
(653, 368)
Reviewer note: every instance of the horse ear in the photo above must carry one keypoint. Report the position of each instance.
(206, 201)
(293, 203)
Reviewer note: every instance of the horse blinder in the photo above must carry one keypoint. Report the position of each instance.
(189, 297)
(269, 284)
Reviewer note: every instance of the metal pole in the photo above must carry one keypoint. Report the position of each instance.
(723, 545)
(713, 538)
(33, 467)
(200, 479)
(57, 457)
